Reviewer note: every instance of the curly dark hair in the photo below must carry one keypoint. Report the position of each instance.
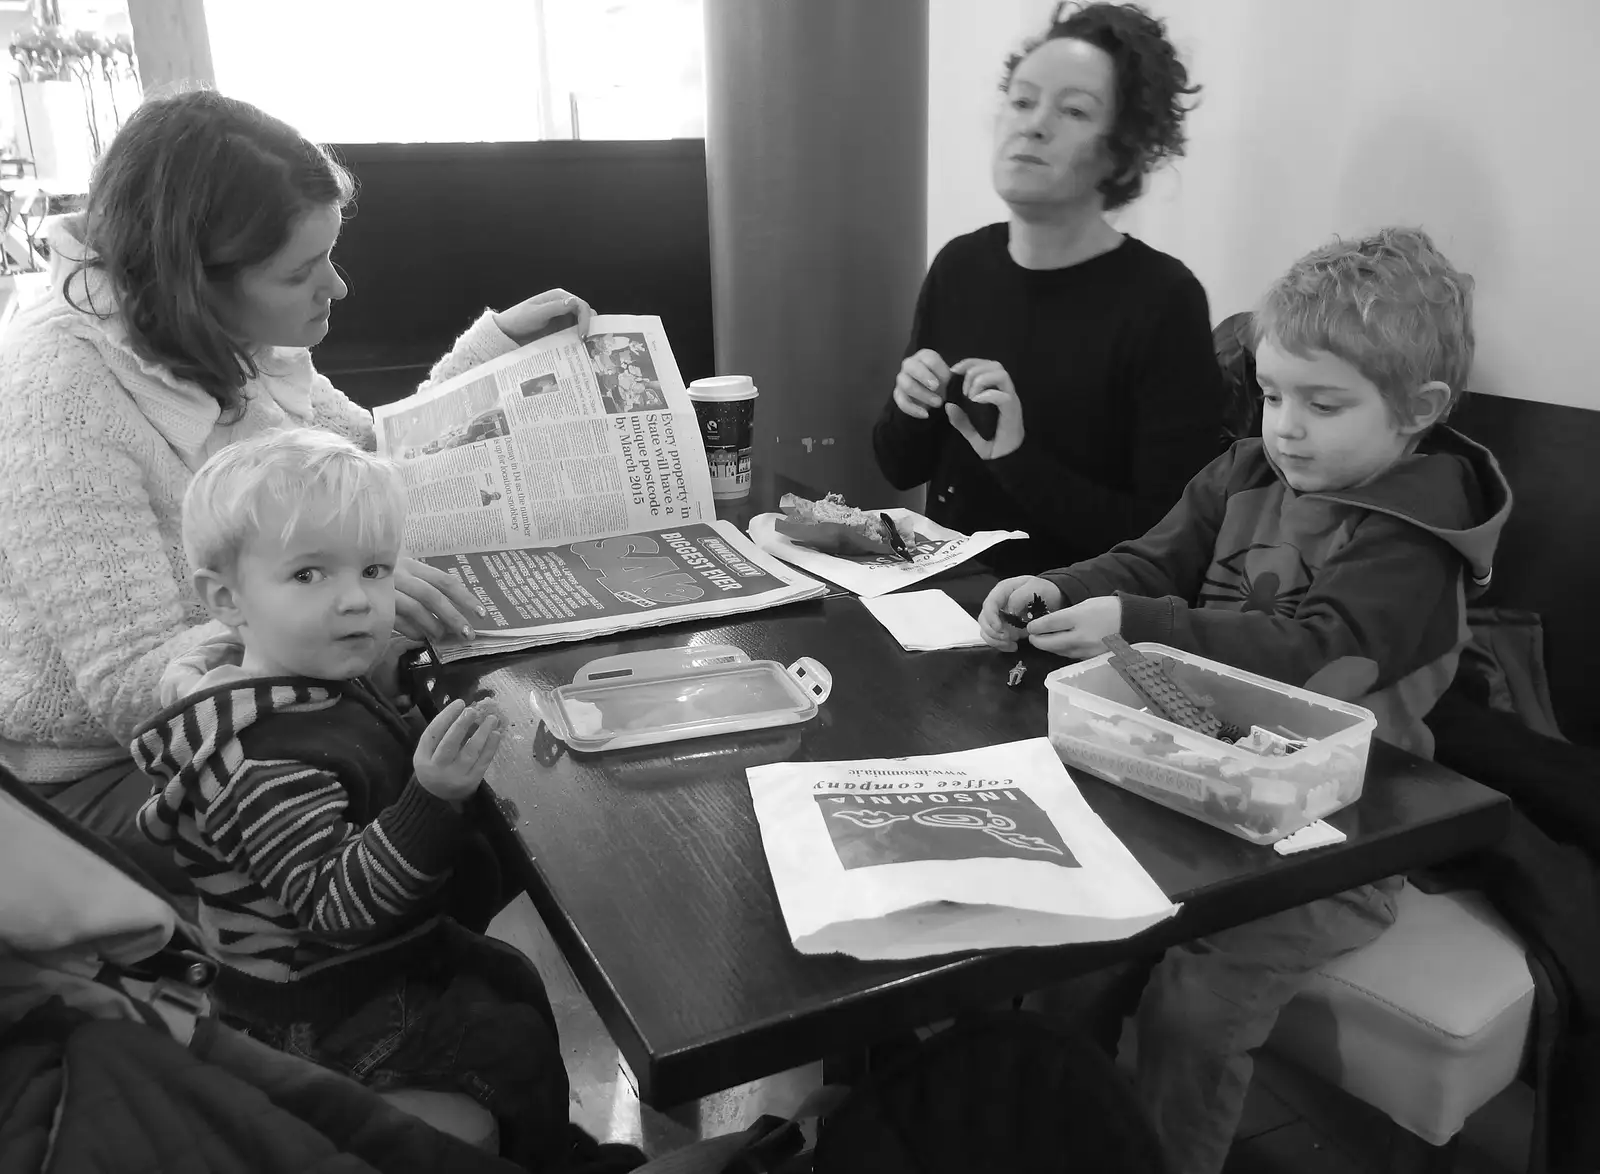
(1151, 87)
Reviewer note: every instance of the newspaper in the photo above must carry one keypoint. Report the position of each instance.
(568, 438)
(537, 596)
(912, 857)
(934, 548)
(566, 484)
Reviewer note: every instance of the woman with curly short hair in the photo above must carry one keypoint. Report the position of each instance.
(1060, 376)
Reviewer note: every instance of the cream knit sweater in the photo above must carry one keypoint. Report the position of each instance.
(96, 448)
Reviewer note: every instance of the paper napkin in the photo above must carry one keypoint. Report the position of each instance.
(924, 621)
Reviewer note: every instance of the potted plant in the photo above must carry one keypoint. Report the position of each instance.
(71, 91)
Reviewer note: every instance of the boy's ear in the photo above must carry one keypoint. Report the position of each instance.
(217, 594)
(1428, 405)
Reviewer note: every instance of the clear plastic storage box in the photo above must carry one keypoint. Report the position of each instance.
(1097, 723)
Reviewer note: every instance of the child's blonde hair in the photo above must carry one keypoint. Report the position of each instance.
(315, 475)
(1389, 304)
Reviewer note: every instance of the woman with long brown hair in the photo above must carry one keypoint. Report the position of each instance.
(183, 303)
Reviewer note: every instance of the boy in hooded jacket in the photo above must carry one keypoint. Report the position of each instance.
(1335, 551)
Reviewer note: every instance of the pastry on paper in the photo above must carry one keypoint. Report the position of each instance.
(833, 527)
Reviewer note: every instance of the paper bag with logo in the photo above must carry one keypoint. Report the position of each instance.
(908, 857)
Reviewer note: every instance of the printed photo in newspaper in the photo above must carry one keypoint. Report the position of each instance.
(567, 438)
(535, 457)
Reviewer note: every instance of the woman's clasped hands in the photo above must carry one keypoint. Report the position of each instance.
(921, 388)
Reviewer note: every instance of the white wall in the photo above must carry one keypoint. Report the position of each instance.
(1473, 118)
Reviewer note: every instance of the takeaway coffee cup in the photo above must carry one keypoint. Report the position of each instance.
(726, 408)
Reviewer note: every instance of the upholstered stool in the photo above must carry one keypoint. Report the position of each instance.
(1427, 1023)
(450, 1112)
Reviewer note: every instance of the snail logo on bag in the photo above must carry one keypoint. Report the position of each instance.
(922, 547)
(872, 827)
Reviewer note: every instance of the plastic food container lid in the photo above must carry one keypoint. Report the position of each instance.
(669, 694)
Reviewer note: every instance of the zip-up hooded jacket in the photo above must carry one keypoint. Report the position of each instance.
(1357, 593)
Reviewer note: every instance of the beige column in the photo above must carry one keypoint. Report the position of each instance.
(171, 43)
(816, 158)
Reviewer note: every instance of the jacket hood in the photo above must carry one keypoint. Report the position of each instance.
(203, 723)
(68, 255)
(1452, 487)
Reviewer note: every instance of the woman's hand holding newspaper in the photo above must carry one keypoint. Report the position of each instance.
(541, 315)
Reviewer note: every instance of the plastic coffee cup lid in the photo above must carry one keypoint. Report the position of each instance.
(723, 387)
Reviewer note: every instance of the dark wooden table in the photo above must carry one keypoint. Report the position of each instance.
(647, 865)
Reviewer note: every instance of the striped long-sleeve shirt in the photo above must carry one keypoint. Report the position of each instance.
(292, 806)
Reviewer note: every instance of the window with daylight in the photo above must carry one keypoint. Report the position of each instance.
(373, 71)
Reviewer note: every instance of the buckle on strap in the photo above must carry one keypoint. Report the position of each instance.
(172, 983)
(175, 964)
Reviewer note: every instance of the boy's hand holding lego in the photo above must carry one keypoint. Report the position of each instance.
(984, 381)
(1078, 632)
(1075, 632)
(455, 750)
(919, 387)
(1013, 597)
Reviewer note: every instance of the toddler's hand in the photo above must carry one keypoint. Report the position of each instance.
(455, 750)
(1078, 632)
(1015, 596)
(920, 384)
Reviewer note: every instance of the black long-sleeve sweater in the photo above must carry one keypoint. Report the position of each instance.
(1122, 400)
